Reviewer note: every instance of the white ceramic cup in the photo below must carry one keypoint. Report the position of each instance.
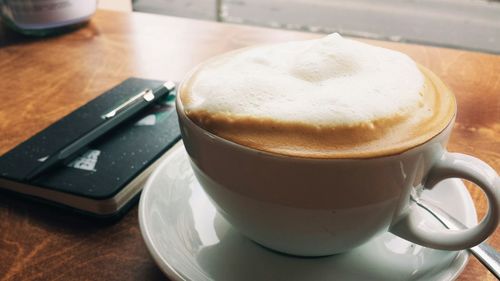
(315, 207)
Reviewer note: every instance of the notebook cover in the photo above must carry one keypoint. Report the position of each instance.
(113, 160)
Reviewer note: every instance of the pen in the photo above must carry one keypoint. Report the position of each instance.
(112, 119)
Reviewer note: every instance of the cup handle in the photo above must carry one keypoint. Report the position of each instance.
(454, 165)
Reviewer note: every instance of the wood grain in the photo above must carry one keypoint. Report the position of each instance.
(44, 79)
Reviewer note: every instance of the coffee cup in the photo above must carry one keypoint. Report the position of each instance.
(320, 190)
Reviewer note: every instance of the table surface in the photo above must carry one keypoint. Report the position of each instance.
(45, 79)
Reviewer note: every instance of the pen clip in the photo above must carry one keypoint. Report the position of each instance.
(147, 95)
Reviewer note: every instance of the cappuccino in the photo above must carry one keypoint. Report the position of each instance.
(325, 98)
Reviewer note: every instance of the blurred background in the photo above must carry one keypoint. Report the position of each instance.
(462, 24)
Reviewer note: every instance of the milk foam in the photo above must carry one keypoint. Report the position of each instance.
(331, 97)
(327, 82)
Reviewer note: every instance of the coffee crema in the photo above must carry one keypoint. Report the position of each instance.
(324, 98)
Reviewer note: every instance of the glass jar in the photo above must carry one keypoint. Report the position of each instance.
(46, 17)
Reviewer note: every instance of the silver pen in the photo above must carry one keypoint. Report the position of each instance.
(111, 119)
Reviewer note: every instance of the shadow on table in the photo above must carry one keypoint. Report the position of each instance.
(25, 207)
(9, 37)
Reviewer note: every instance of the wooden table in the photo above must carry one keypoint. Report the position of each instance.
(44, 79)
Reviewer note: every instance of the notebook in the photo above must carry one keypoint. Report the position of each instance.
(104, 180)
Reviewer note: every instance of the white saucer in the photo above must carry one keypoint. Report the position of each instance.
(189, 240)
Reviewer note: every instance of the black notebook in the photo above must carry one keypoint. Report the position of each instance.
(105, 178)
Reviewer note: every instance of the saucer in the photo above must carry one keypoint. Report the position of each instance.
(189, 240)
